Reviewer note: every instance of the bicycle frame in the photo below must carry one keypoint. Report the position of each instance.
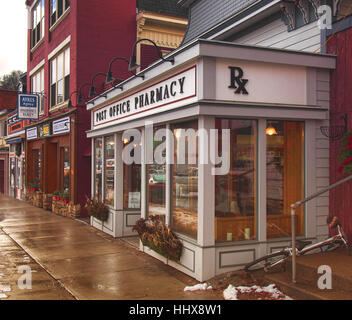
(339, 237)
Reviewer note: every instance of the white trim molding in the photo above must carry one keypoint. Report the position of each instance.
(62, 45)
(37, 67)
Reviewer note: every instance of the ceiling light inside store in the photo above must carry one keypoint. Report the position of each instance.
(270, 131)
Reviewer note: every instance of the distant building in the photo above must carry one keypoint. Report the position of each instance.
(8, 100)
(70, 46)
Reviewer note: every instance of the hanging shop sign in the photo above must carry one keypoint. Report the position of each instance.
(14, 125)
(28, 106)
(32, 133)
(61, 125)
(45, 130)
(168, 94)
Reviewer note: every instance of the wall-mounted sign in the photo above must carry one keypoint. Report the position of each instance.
(12, 154)
(168, 94)
(61, 125)
(45, 130)
(236, 80)
(14, 125)
(258, 82)
(32, 133)
(28, 106)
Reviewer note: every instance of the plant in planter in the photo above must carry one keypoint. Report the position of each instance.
(33, 186)
(97, 209)
(159, 237)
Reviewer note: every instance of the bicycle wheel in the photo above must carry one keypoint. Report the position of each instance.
(266, 262)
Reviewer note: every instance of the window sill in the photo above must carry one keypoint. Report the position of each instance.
(59, 106)
(37, 45)
(57, 22)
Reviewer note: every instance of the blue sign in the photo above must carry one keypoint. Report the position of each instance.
(28, 106)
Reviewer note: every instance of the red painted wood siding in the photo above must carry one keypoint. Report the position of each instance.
(341, 103)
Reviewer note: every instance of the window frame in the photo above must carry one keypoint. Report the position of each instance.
(252, 236)
(54, 62)
(37, 26)
(41, 74)
(55, 16)
(106, 159)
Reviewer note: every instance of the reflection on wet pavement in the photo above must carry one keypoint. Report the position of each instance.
(71, 260)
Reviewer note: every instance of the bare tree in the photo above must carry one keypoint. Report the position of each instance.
(11, 80)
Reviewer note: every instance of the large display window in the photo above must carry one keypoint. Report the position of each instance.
(66, 168)
(235, 192)
(285, 176)
(109, 169)
(185, 179)
(156, 180)
(131, 182)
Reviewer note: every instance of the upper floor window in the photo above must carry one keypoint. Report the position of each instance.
(57, 8)
(60, 78)
(37, 85)
(37, 22)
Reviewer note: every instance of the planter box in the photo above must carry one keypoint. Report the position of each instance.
(107, 226)
(155, 254)
(65, 209)
(38, 199)
(119, 223)
(47, 201)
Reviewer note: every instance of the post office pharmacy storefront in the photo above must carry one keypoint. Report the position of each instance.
(227, 192)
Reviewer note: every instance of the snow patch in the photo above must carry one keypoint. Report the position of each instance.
(231, 293)
(199, 286)
(5, 288)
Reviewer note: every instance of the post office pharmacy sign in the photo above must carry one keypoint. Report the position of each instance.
(28, 106)
(164, 95)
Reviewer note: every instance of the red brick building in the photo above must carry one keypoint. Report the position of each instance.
(68, 43)
(340, 43)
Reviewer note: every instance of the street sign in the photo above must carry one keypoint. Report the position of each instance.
(28, 106)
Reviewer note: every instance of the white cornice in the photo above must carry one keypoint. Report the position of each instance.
(37, 67)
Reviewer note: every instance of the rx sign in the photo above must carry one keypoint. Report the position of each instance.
(236, 80)
(28, 106)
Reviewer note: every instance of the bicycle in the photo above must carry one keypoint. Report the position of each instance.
(275, 259)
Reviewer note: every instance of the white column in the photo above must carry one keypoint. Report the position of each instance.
(93, 168)
(206, 203)
(261, 190)
(168, 181)
(103, 170)
(206, 188)
(119, 216)
(119, 173)
(143, 177)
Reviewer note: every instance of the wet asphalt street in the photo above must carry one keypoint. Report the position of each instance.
(69, 259)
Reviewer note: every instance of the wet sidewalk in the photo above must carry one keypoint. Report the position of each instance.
(72, 260)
